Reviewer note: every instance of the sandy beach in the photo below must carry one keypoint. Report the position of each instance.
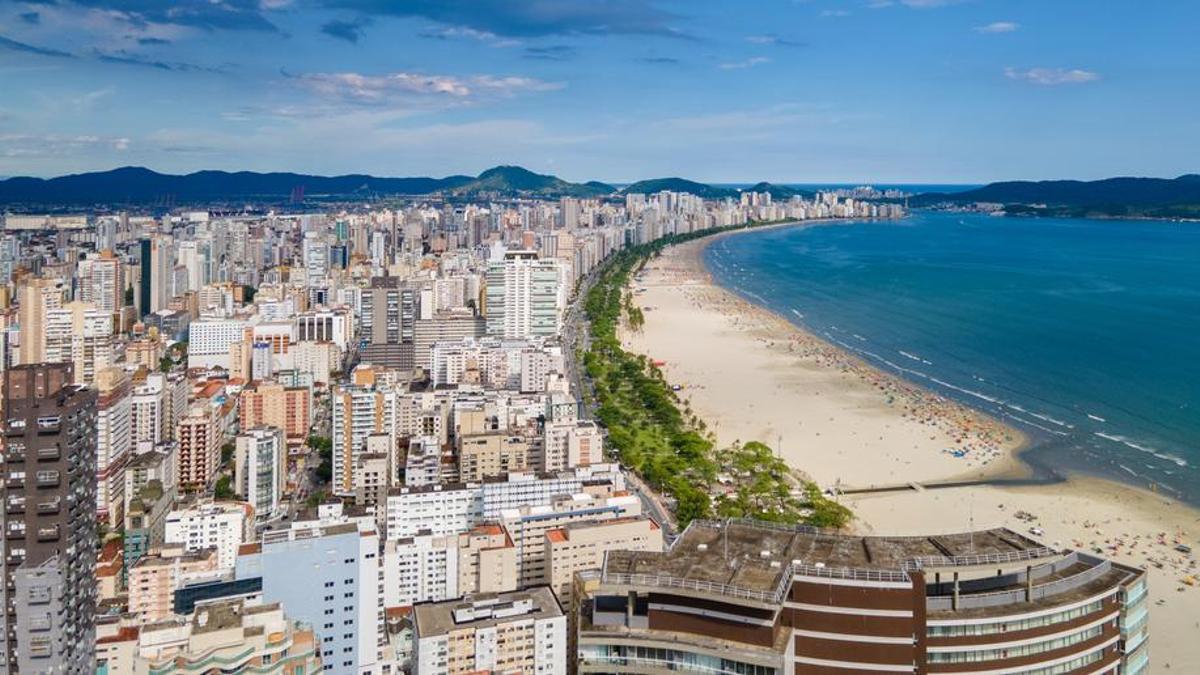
(752, 375)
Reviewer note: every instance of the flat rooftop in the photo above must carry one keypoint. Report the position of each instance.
(755, 557)
(485, 610)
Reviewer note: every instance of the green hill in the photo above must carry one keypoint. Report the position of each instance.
(515, 180)
(679, 185)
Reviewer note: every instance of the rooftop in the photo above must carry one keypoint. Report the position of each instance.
(485, 610)
(753, 559)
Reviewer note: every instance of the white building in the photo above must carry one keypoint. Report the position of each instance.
(219, 525)
(417, 569)
(260, 470)
(328, 577)
(521, 631)
(209, 339)
(437, 509)
(525, 296)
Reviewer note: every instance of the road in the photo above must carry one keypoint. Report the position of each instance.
(576, 339)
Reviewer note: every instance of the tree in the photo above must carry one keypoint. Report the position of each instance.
(165, 364)
(227, 451)
(224, 489)
(129, 296)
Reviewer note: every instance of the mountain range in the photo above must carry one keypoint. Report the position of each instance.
(1162, 197)
(138, 185)
(1158, 197)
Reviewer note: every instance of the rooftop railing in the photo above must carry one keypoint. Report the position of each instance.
(728, 590)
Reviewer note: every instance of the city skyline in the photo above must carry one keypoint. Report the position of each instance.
(933, 91)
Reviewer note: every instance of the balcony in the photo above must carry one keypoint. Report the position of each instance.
(49, 507)
(49, 454)
(49, 425)
(15, 455)
(15, 427)
(15, 532)
(50, 533)
(48, 478)
(15, 505)
(16, 482)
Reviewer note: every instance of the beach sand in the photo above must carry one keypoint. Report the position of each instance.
(752, 375)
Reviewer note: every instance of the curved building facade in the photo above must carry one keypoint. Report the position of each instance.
(749, 598)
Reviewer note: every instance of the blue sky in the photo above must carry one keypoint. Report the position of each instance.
(780, 90)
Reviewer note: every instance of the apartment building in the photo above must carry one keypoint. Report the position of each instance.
(221, 526)
(155, 577)
(274, 405)
(582, 545)
(49, 521)
(518, 632)
(753, 597)
(338, 593)
(260, 470)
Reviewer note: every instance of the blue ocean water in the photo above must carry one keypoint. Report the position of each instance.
(1085, 333)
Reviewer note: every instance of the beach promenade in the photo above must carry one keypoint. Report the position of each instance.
(752, 375)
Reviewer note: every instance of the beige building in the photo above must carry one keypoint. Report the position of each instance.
(528, 525)
(493, 454)
(36, 297)
(569, 444)
(519, 632)
(155, 577)
(274, 405)
(80, 334)
(582, 546)
(487, 560)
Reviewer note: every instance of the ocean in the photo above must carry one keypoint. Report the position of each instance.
(1084, 333)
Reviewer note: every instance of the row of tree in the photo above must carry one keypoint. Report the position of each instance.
(657, 435)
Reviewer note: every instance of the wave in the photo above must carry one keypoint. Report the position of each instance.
(1179, 461)
(1098, 419)
(798, 314)
(914, 357)
(1040, 416)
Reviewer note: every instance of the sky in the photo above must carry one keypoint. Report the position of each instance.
(935, 91)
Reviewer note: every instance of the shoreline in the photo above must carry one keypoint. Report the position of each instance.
(776, 381)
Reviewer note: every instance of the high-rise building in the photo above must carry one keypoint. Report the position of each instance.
(81, 334)
(101, 281)
(199, 439)
(315, 252)
(260, 470)
(387, 323)
(337, 594)
(37, 297)
(274, 405)
(524, 296)
(518, 632)
(359, 411)
(222, 526)
(157, 258)
(114, 442)
(754, 597)
(50, 533)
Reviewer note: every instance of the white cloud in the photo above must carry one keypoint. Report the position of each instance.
(998, 27)
(1052, 76)
(56, 145)
(747, 63)
(392, 87)
(464, 32)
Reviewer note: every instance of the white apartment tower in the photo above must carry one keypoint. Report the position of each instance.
(524, 296)
(260, 470)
